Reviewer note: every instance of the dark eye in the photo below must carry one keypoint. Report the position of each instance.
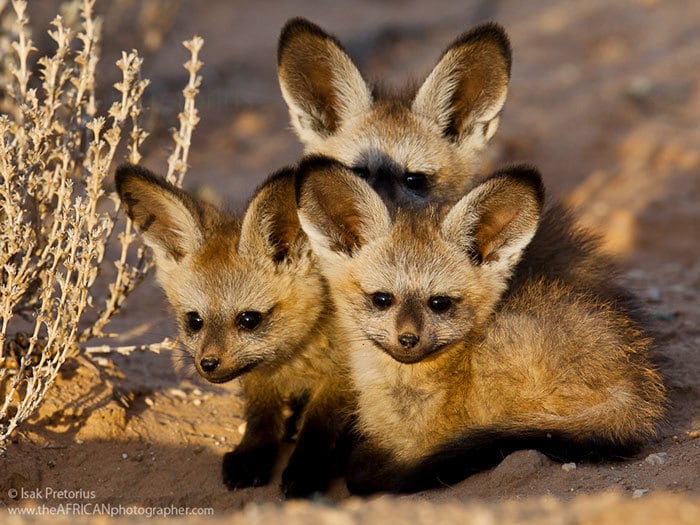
(194, 321)
(382, 300)
(249, 320)
(439, 303)
(361, 171)
(415, 181)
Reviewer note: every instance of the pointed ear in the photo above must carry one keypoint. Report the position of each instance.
(495, 221)
(466, 90)
(168, 218)
(319, 81)
(339, 211)
(270, 226)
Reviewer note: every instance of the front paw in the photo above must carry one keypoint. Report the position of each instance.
(306, 475)
(248, 468)
(370, 470)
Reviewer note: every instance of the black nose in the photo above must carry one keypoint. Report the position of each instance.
(209, 364)
(408, 340)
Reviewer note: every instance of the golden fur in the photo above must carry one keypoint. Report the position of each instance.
(220, 267)
(422, 146)
(436, 132)
(507, 356)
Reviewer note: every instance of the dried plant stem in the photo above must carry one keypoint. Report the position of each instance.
(189, 117)
(165, 344)
(55, 155)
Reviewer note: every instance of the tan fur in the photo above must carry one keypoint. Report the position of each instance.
(541, 356)
(220, 266)
(438, 131)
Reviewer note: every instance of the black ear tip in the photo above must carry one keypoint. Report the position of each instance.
(281, 176)
(317, 163)
(296, 27)
(299, 25)
(310, 165)
(127, 171)
(489, 31)
(527, 175)
(277, 181)
(492, 31)
(124, 171)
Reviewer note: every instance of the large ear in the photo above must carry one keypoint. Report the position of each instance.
(319, 81)
(270, 226)
(466, 90)
(338, 210)
(495, 221)
(168, 218)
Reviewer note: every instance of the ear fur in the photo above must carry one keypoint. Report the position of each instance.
(270, 226)
(339, 211)
(169, 220)
(466, 90)
(319, 81)
(496, 221)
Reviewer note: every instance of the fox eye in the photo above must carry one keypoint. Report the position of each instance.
(415, 181)
(249, 320)
(361, 171)
(439, 303)
(382, 300)
(194, 321)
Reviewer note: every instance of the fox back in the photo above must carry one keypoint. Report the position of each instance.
(415, 145)
(447, 348)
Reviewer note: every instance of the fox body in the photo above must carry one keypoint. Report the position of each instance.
(422, 146)
(455, 362)
(250, 302)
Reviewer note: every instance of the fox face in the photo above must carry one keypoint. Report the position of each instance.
(246, 293)
(412, 282)
(415, 147)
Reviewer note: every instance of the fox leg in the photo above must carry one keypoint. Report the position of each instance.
(371, 470)
(315, 459)
(251, 463)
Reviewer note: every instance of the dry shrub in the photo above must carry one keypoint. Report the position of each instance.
(56, 218)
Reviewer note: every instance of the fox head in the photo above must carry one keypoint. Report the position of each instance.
(415, 147)
(246, 292)
(415, 280)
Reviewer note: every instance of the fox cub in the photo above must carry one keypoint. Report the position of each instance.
(422, 145)
(455, 364)
(250, 302)
(409, 145)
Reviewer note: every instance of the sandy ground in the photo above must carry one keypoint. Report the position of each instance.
(604, 99)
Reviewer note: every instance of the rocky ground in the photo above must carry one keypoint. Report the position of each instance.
(604, 99)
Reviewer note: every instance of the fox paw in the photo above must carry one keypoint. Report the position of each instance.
(248, 468)
(303, 479)
(370, 470)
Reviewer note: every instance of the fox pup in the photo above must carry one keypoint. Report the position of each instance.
(408, 145)
(421, 146)
(456, 365)
(250, 302)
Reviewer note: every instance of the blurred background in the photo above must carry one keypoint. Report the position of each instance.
(604, 96)
(604, 99)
